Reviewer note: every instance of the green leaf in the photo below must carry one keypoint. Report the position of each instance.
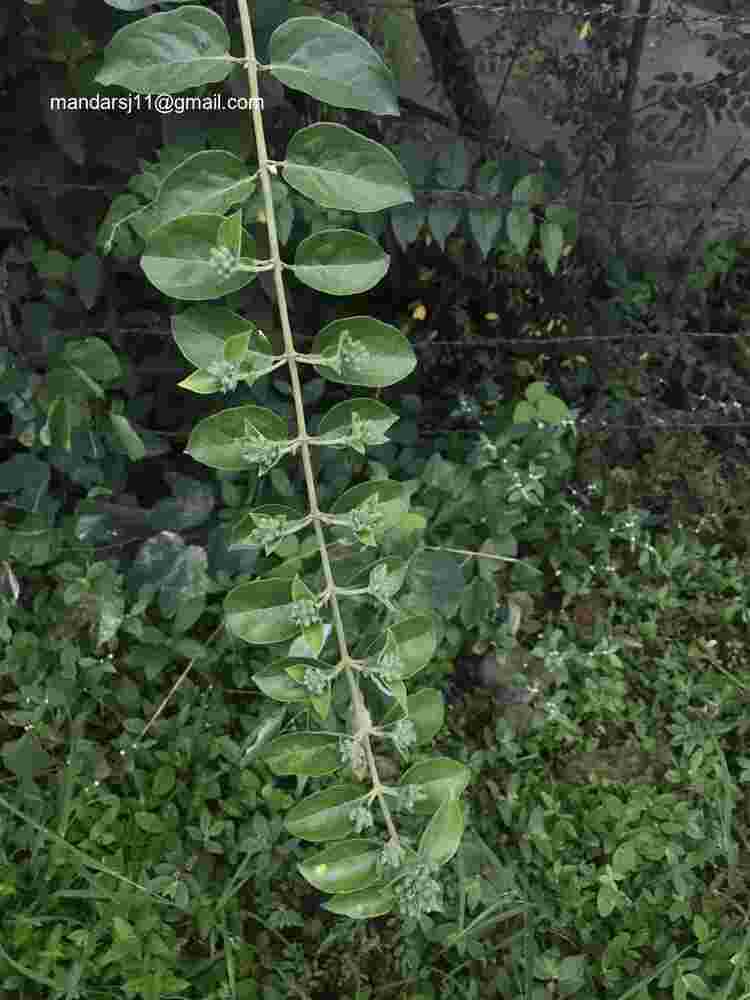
(333, 65)
(624, 859)
(177, 259)
(275, 682)
(406, 221)
(524, 413)
(337, 422)
(201, 383)
(553, 410)
(700, 928)
(520, 226)
(339, 262)
(309, 754)
(321, 703)
(265, 730)
(572, 970)
(442, 836)
(541, 405)
(565, 217)
(398, 690)
(485, 225)
(230, 234)
(416, 641)
(94, 357)
(528, 191)
(133, 5)
(201, 332)
(243, 529)
(426, 709)
(441, 779)
(260, 612)
(606, 900)
(478, 602)
(25, 757)
(122, 930)
(27, 476)
(551, 236)
(235, 348)
(338, 168)
(346, 867)
(325, 815)
(168, 53)
(89, 382)
(122, 213)
(438, 579)
(176, 571)
(373, 902)
(217, 441)
(443, 219)
(392, 499)
(88, 277)
(127, 437)
(56, 431)
(54, 266)
(164, 780)
(452, 165)
(149, 822)
(695, 985)
(390, 357)
(211, 181)
(301, 646)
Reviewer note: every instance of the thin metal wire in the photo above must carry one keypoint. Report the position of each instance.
(603, 10)
(541, 342)
(481, 342)
(469, 199)
(472, 342)
(582, 423)
(447, 195)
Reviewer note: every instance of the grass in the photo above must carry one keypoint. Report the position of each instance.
(607, 845)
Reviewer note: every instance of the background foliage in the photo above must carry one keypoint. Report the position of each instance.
(606, 850)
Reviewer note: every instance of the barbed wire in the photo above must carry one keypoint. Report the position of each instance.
(670, 15)
(664, 425)
(661, 424)
(469, 342)
(562, 10)
(468, 198)
(472, 199)
(613, 427)
(541, 342)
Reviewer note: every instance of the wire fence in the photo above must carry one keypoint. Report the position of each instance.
(564, 8)
(471, 199)
(540, 342)
(692, 424)
(673, 14)
(438, 196)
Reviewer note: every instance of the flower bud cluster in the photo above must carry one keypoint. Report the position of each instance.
(223, 262)
(404, 735)
(315, 680)
(305, 613)
(362, 818)
(418, 892)
(227, 374)
(259, 450)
